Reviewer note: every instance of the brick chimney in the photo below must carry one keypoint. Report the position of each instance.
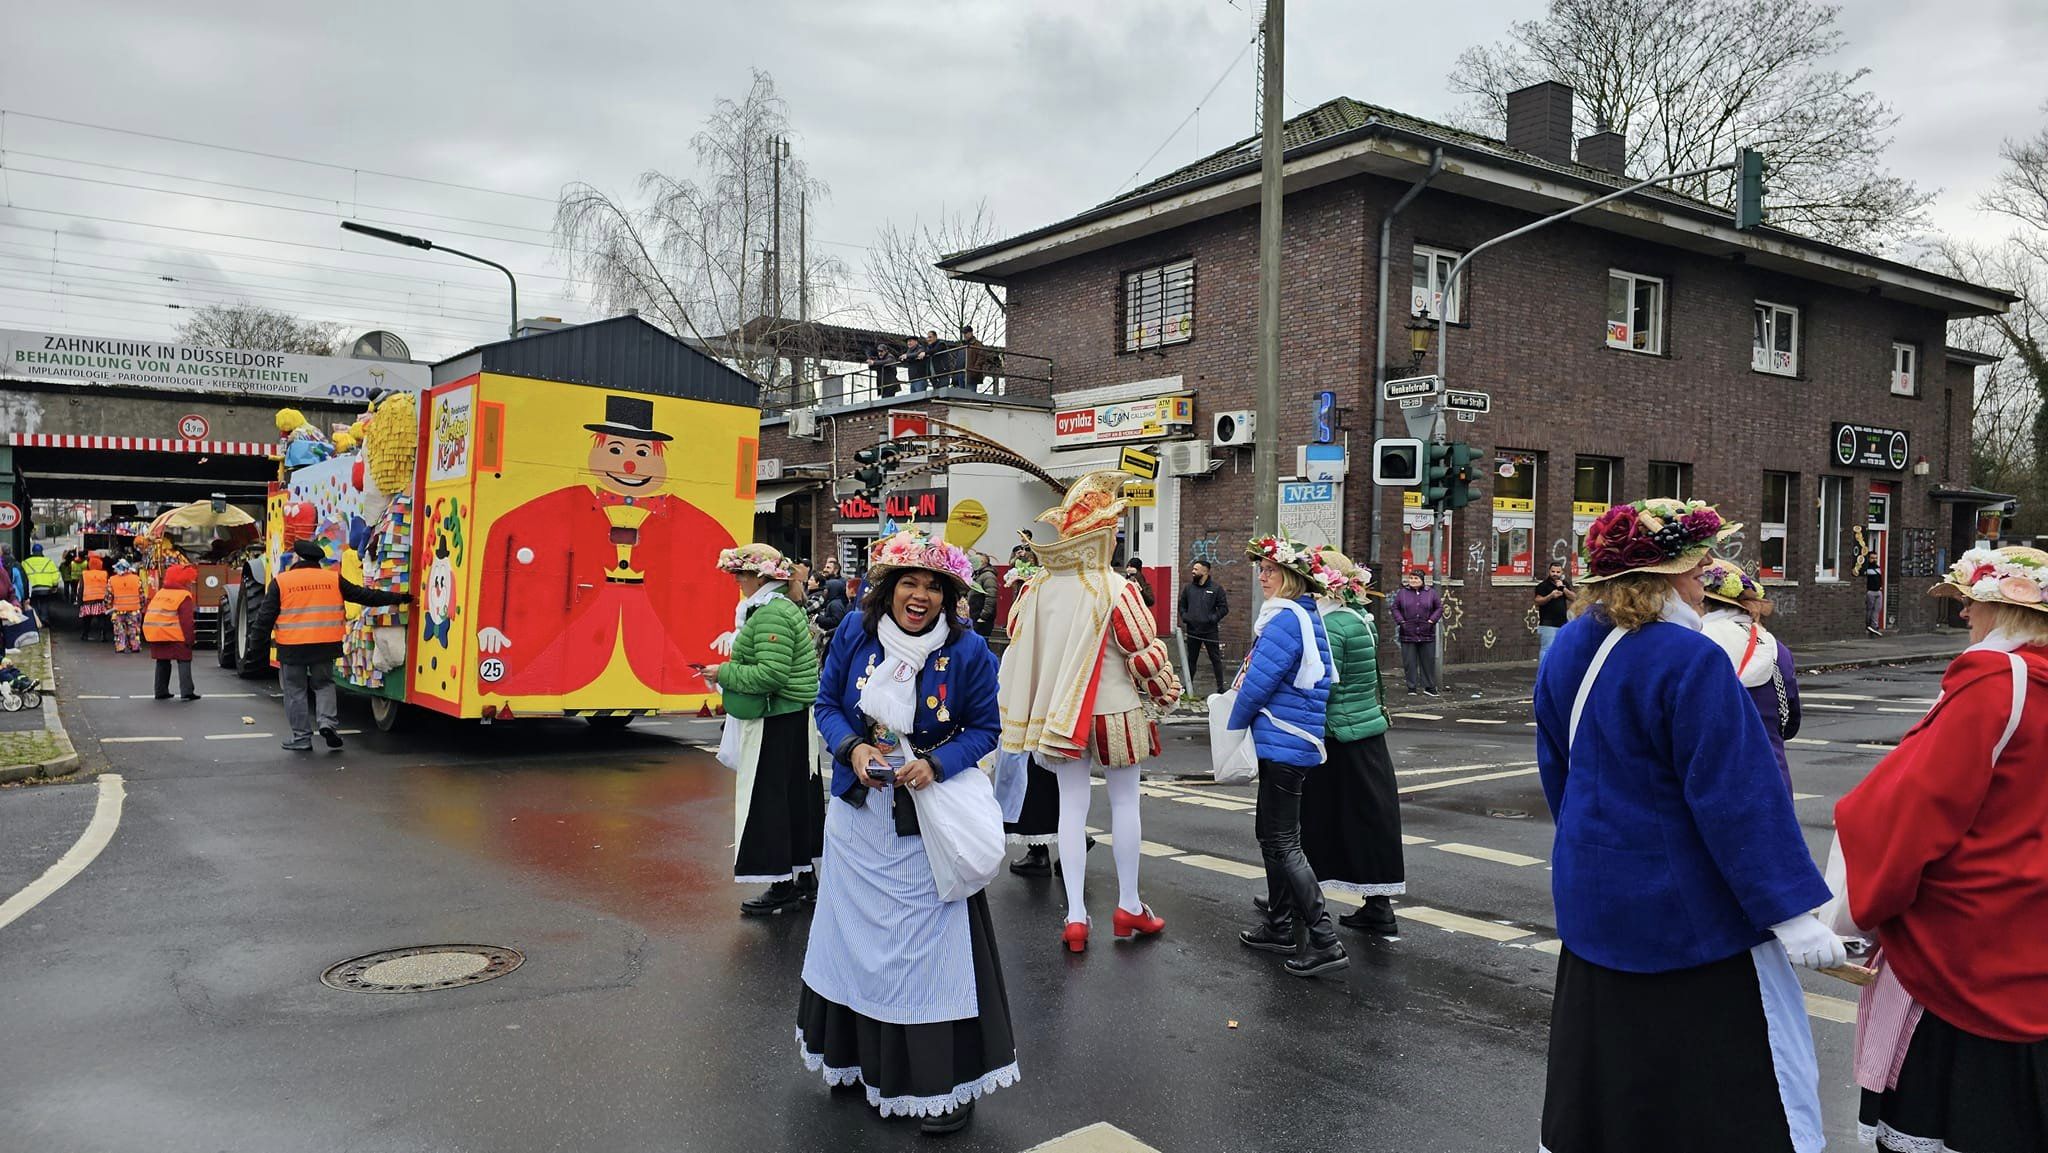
(1540, 121)
(1606, 150)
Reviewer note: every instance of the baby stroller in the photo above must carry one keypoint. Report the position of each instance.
(20, 692)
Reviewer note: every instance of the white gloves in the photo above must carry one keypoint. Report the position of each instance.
(1810, 942)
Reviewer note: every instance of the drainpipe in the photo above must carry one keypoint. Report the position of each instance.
(1379, 405)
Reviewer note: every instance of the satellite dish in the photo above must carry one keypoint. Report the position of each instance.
(378, 344)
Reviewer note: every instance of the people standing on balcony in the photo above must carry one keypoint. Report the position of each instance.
(1203, 605)
(882, 362)
(917, 365)
(973, 358)
(1416, 610)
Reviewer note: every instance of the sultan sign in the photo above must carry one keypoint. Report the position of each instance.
(1129, 420)
(56, 356)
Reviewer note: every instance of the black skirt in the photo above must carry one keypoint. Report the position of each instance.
(1676, 1062)
(1038, 822)
(1351, 820)
(918, 1070)
(785, 833)
(1958, 1091)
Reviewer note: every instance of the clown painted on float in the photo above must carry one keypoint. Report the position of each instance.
(581, 577)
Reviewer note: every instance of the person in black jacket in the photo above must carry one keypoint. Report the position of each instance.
(1203, 606)
(306, 671)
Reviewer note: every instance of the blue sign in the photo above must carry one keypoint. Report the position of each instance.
(1307, 493)
(1326, 417)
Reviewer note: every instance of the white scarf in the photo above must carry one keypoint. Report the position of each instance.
(723, 643)
(1310, 671)
(891, 695)
(1679, 613)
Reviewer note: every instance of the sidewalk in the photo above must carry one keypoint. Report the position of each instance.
(33, 742)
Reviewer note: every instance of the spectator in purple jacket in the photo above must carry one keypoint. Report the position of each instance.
(1415, 611)
(1736, 607)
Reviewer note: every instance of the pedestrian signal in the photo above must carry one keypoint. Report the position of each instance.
(1397, 462)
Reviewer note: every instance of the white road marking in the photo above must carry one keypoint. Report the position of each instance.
(138, 697)
(96, 697)
(1483, 853)
(1419, 716)
(106, 817)
(1873, 745)
(349, 732)
(1837, 696)
(137, 740)
(1155, 849)
(1101, 1137)
(1220, 865)
(238, 736)
(1460, 768)
(229, 696)
(1406, 839)
(1552, 947)
(1215, 803)
(1806, 704)
(1806, 741)
(1831, 1008)
(1914, 712)
(1805, 796)
(1459, 923)
(1479, 721)
(1406, 789)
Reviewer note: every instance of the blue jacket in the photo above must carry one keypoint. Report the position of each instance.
(966, 686)
(1268, 683)
(1676, 841)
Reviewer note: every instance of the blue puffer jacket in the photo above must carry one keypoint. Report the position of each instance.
(1269, 684)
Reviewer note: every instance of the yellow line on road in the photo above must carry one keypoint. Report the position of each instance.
(1483, 853)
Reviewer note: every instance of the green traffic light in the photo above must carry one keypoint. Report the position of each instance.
(1436, 475)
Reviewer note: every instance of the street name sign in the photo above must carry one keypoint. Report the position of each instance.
(1473, 402)
(1412, 386)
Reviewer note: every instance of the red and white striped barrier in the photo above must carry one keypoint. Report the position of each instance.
(143, 444)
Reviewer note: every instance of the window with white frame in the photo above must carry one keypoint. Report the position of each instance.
(1159, 306)
(1828, 563)
(1775, 347)
(1905, 363)
(1670, 480)
(1778, 488)
(1635, 312)
(1432, 272)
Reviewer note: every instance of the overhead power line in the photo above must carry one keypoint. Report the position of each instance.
(1182, 126)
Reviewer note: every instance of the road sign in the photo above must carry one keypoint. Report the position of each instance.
(1412, 386)
(1466, 416)
(1139, 463)
(1413, 401)
(193, 426)
(1142, 494)
(1463, 402)
(1326, 417)
(10, 516)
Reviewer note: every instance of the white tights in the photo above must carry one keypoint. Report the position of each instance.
(1075, 792)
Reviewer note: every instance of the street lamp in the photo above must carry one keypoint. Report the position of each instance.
(422, 242)
(1418, 340)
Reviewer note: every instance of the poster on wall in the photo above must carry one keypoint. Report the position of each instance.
(448, 457)
(1313, 513)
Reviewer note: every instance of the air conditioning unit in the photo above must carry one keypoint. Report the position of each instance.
(803, 424)
(1183, 458)
(1233, 429)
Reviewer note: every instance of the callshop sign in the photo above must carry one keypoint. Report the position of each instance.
(1129, 420)
(1868, 446)
(29, 355)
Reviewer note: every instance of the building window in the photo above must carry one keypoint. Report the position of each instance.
(1514, 515)
(1668, 479)
(1592, 493)
(1432, 271)
(1420, 551)
(1159, 306)
(1828, 563)
(1778, 488)
(1905, 359)
(1635, 312)
(1775, 347)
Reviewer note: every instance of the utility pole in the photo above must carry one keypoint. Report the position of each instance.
(1259, 74)
(1266, 438)
(778, 151)
(803, 281)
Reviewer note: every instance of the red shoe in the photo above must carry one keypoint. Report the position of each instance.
(1075, 936)
(1143, 924)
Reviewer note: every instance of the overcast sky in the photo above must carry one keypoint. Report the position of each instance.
(1044, 108)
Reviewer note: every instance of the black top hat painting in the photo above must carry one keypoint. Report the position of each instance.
(629, 416)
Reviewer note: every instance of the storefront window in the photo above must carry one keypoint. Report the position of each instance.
(1771, 531)
(1514, 515)
(1668, 479)
(1828, 565)
(1592, 494)
(1419, 548)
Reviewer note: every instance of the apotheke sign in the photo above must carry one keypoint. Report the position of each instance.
(27, 355)
(1867, 446)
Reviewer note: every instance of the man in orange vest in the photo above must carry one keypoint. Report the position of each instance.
(124, 596)
(168, 627)
(92, 601)
(302, 611)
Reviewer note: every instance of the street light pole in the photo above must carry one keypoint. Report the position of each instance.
(1266, 422)
(422, 242)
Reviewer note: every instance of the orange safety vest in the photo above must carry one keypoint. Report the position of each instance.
(160, 624)
(309, 607)
(95, 585)
(127, 590)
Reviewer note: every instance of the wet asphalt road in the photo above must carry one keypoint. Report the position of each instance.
(169, 997)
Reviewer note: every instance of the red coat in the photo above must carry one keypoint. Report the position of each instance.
(550, 586)
(1947, 851)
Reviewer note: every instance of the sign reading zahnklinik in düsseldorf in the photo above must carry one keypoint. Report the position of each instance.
(1866, 446)
(197, 368)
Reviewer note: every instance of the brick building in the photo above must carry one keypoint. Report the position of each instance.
(1644, 348)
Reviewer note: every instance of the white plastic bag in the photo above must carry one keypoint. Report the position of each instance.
(962, 827)
(1233, 758)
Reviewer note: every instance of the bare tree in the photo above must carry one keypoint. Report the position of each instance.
(1688, 82)
(913, 295)
(258, 329)
(695, 254)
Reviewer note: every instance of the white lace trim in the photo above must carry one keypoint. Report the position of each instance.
(1034, 839)
(1898, 1142)
(909, 1106)
(1393, 889)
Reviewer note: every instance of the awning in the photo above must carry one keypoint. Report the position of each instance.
(767, 496)
(1967, 494)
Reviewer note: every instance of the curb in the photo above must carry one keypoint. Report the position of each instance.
(52, 723)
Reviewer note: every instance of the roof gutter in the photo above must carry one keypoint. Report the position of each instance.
(1379, 406)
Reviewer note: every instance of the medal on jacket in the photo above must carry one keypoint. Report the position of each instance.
(943, 714)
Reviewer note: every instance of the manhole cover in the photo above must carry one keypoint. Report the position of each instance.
(421, 968)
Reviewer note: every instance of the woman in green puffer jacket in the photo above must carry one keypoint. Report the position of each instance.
(1350, 811)
(769, 684)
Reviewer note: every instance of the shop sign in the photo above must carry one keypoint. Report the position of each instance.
(1313, 513)
(1867, 446)
(767, 469)
(1588, 508)
(1128, 420)
(1513, 504)
(28, 355)
(920, 505)
(1142, 494)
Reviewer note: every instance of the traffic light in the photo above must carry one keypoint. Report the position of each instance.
(1436, 475)
(1460, 494)
(1397, 462)
(1749, 193)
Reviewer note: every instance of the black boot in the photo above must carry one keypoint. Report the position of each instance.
(780, 895)
(1036, 862)
(1376, 916)
(1270, 937)
(946, 1123)
(1316, 960)
(807, 885)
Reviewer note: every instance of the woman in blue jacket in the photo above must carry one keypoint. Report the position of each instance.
(903, 992)
(1282, 695)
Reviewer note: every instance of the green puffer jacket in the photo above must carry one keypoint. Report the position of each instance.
(774, 665)
(1356, 710)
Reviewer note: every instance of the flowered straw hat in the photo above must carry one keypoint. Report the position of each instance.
(755, 560)
(1290, 554)
(1659, 535)
(1730, 585)
(2013, 575)
(915, 548)
(1343, 581)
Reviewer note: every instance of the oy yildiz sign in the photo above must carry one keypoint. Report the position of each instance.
(1867, 446)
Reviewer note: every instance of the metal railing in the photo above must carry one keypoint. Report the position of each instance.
(976, 369)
